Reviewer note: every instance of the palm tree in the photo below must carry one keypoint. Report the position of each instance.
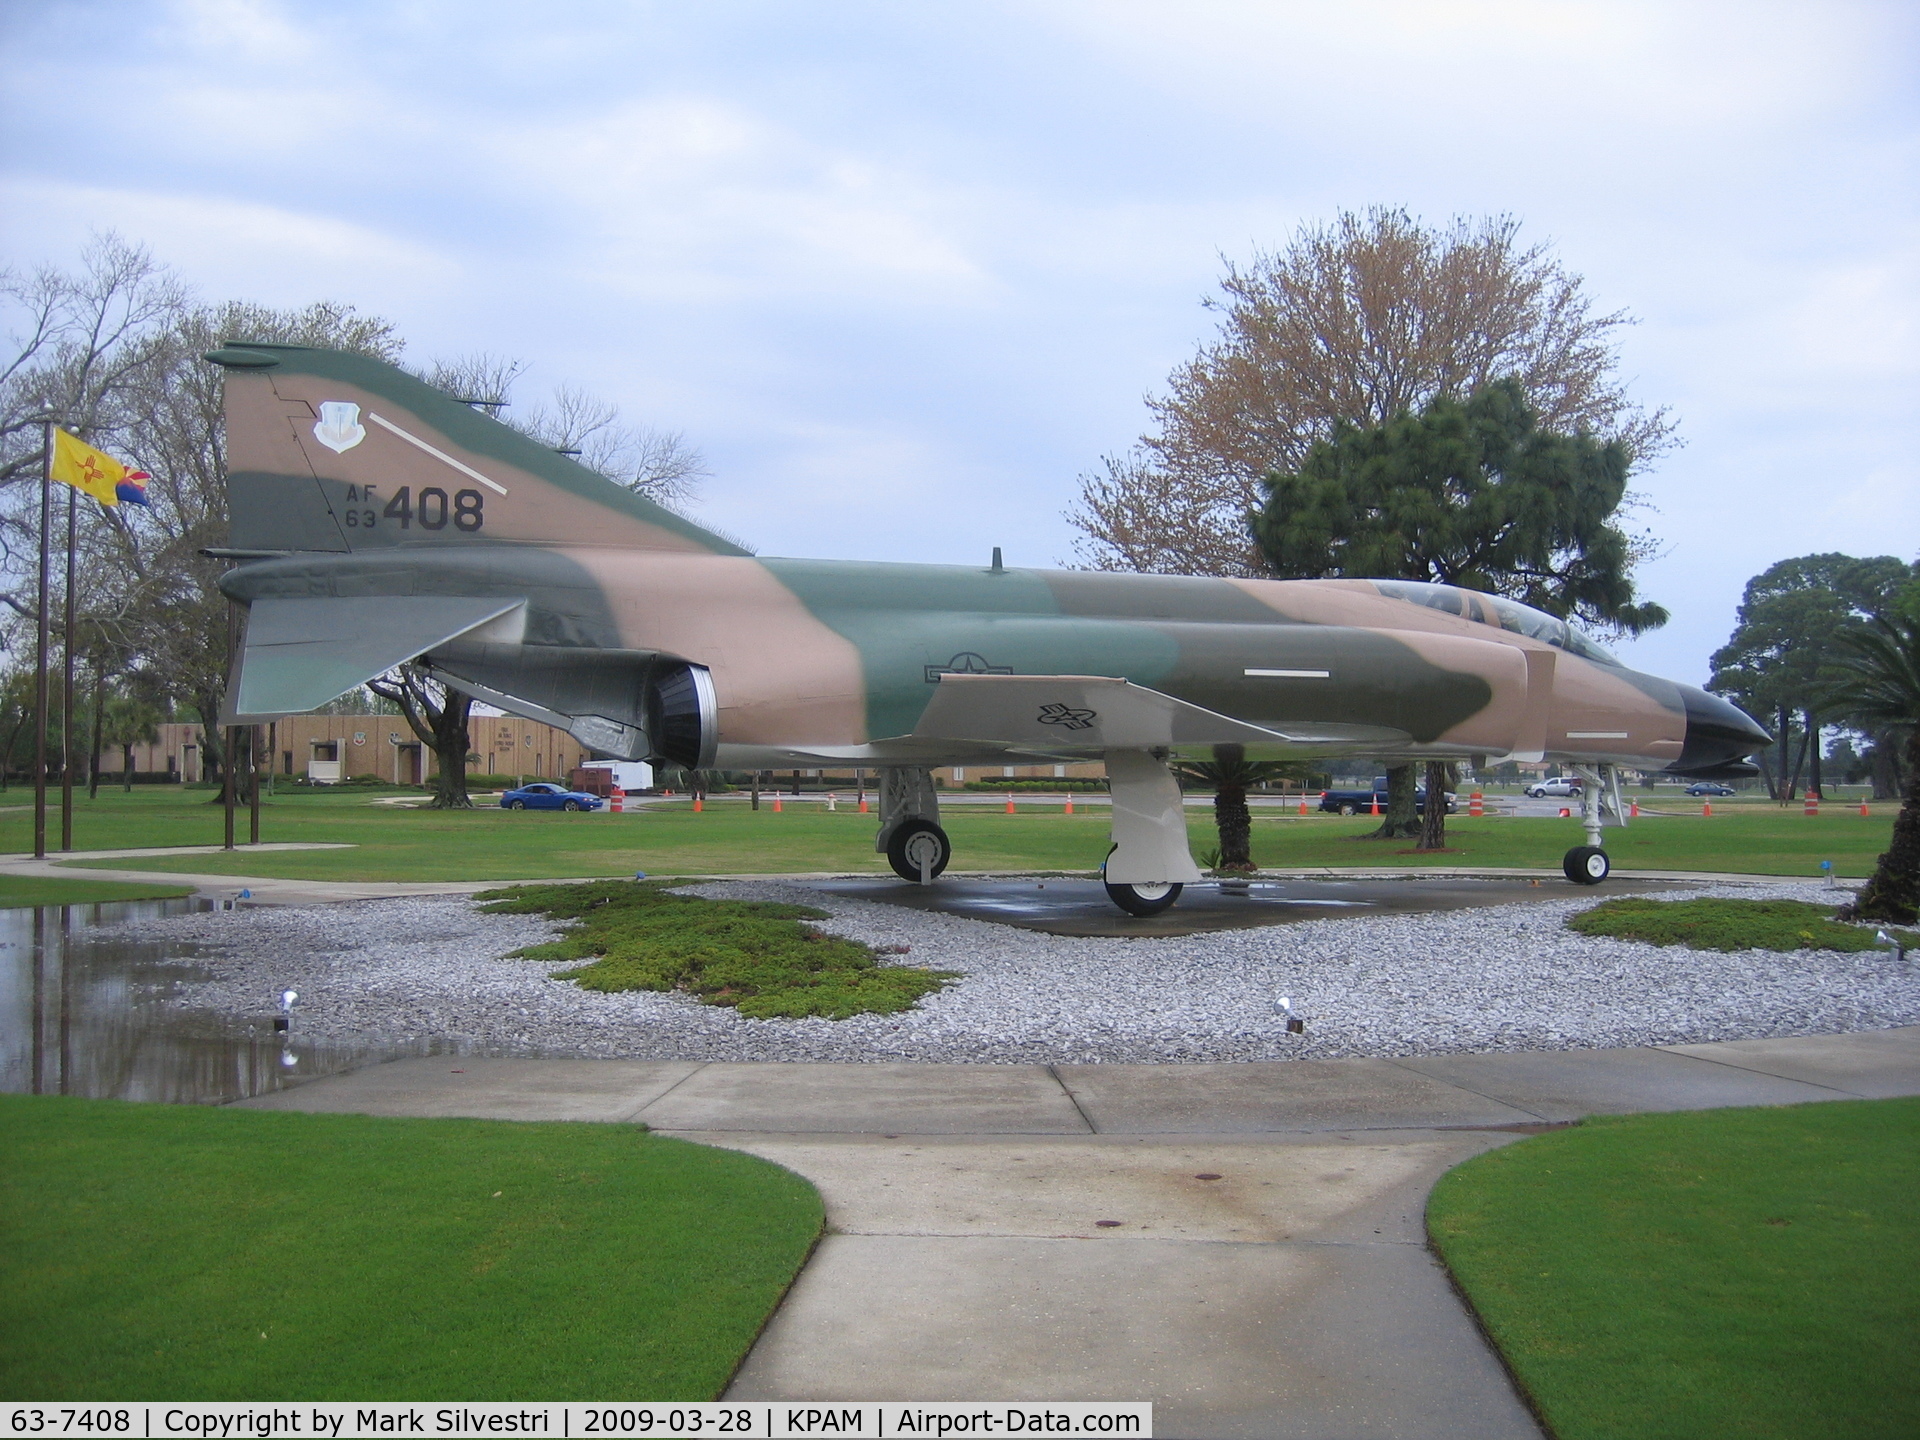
(1884, 689)
(1230, 774)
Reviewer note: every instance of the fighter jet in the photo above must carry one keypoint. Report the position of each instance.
(378, 520)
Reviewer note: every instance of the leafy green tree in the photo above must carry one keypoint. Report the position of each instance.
(1882, 684)
(124, 721)
(1785, 658)
(1367, 317)
(1472, 493)
(1230, 774)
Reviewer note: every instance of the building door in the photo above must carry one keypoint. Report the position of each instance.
(410, 764)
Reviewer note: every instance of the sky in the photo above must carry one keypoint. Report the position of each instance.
(903, 271)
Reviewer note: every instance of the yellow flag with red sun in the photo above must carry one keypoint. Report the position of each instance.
(96, 473)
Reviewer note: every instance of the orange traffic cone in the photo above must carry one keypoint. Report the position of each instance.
(1069, 809)
(776, 804)
(863, 806)
(1706, 807)
(1566, 812)
(1633, 809)
(1009, 802)
(1303, 802)
(1376, 806)
(1863, 810)
(698, 805)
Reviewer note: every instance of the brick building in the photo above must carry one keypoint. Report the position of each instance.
(343, 746)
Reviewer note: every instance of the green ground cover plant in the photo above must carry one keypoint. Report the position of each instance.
(19, 891)
(1718, 1273)
(399, 843)
(203, 1253)
(755, 956)
(1715, 924)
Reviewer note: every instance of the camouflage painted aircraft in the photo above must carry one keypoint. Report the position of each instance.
(378, 520)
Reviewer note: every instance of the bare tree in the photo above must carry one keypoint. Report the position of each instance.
(1361, 320)
(658, 464)
(438, 714)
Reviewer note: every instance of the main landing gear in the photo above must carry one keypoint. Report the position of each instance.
(1144, 899)
(910, 834)
(1147, 867)
(1600, 786)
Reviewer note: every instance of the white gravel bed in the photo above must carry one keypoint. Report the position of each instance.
(1503, 977)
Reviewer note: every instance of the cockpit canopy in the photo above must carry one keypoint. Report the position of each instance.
(1506, 614)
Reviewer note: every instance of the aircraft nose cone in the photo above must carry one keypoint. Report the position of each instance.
(1719, 733)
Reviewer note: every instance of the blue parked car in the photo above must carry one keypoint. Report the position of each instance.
(544, 795)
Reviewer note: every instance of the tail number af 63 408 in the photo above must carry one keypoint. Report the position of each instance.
(432, 510)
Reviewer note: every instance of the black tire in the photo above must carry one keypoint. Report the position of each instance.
(918, 840)
(1349, 808)
(1587, 865)
(516, 805)
(1144, 900)
(570, 805)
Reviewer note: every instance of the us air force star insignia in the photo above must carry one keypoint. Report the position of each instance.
(1067, 716)
(339, 428)
(965, 663)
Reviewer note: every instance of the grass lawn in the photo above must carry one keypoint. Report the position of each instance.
(492, 844)
(1724, 924)
(754, 956)
(1720, 1273)
(17, 891)
(196, 1253)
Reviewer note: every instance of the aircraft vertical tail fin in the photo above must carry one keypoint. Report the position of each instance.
(331, 451)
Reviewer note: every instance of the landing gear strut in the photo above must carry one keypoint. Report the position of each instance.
(1588, 864)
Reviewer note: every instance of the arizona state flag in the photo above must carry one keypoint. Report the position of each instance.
(95, 472)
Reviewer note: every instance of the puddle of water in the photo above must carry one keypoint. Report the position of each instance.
(87, 1016)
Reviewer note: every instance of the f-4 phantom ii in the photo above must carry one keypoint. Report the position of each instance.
(378, 520)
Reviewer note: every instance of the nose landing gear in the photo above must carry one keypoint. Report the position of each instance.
(1588, 864)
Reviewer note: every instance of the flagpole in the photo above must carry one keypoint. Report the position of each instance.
(66, 686)
(40, 650)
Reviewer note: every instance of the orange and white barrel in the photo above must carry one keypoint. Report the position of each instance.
(616, 800)
(1476, 804)
(1812, 806)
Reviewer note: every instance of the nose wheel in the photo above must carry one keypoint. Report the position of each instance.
(918, 851)
(1587, 865)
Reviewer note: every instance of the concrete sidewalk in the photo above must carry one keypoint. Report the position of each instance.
(1241, 1244)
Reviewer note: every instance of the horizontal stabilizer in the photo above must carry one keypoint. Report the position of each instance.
(1084, 713)
(299, 654)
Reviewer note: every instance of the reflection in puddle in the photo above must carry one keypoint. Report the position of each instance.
(86, 1016)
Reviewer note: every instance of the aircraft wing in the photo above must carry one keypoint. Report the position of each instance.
(299, 654)
(1085, 713)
